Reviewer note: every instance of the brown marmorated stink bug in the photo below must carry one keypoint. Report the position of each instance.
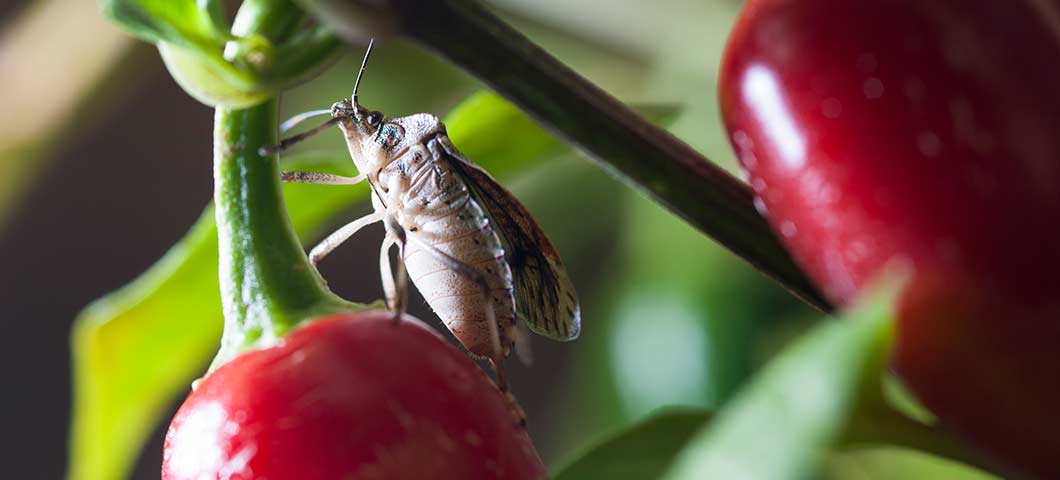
(472, 249)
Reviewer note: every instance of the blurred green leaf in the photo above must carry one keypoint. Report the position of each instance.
(191, 36)
(901, 399)
(187, 23)
(780, 426)
(889, 463)
(139, 347)
(486, 126)
(712, 321)
(254, 61)
(701, 297)
(211, 80)
(643, 451)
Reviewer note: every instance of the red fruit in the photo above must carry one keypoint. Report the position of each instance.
(349, 397)
(929, 131)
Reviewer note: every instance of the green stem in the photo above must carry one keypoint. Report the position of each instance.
(273, 19)
(304, 55)
(644, 155)
(295, 55)
(267, 284)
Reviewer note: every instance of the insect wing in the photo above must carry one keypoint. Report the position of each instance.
(544, 294)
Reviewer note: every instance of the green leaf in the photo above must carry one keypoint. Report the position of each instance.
(486, 126)
(780, 426)
(887, 463)
(262, 55)
(141, 346)
(901, 399)
(180, 22)
(640, 452)
(191, 38)
(212, 80)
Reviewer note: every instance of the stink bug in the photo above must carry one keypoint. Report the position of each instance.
(472, 249)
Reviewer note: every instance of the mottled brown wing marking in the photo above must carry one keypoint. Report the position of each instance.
(544, 294)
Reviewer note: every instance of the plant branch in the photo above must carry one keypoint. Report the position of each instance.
(267, 283)
(272, 19)
(635, 150)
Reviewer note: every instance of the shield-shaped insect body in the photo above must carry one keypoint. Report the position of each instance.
(475, 253)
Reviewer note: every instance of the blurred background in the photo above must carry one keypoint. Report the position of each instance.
(105, 163)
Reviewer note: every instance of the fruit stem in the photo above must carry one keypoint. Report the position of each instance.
(272, 19)
(267, 283)
(622, 142)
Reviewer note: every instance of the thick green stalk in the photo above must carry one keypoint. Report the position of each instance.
(267, 283)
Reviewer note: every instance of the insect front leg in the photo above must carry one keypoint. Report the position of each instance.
(318, 178)
(341, 235)
(395, 286)
(386, 273)
(401, 279)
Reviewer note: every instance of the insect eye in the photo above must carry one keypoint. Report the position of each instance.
(373, 118)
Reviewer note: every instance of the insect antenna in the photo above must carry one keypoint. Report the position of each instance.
(287, 142)
(301, 117)
(295, 120)
(357, 83)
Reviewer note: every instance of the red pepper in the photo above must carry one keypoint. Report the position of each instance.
(354, 396)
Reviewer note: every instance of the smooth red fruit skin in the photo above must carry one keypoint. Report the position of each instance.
(929, 131)
(349, 397)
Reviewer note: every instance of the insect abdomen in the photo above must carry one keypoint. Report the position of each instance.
(452, 222)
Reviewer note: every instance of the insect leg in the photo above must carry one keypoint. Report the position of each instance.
(395, 286)
(319, 178)
(287, 142)
(341, 235)
(385, 272)
(522, 341)
(401, 279)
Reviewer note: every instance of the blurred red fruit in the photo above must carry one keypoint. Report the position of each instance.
(929, 131)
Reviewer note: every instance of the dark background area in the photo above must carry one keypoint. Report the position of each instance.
(113, 200)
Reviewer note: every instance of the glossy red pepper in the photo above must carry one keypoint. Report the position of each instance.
(930, 131)
(352, 396)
